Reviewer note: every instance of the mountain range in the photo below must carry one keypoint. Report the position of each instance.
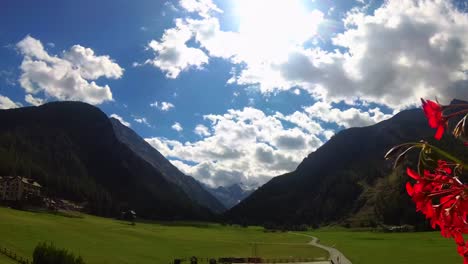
(231, 195)
(76, 152)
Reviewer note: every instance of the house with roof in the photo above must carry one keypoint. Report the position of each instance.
(15, 188)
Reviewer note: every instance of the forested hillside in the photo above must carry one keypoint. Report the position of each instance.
(71, 149)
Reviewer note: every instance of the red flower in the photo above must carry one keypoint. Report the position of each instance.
(444, 200)
(433, 112)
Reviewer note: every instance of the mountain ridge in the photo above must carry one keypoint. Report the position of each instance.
(327, 185)
(72, 150)
(192, 188)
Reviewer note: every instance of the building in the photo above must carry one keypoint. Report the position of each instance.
(14, 188)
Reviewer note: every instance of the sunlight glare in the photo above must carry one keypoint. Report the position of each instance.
(274, 26)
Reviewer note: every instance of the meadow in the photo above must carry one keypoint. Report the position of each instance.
(101, 240)
(364, 247)
(6, 260)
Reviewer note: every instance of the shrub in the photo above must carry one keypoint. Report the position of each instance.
(48, 254)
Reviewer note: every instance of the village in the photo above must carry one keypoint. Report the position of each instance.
(16, 188)
(19, 192)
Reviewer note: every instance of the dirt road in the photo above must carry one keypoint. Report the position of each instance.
(336, 257)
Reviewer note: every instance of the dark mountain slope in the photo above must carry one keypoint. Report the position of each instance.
(328, 185)
(71, 149)
(192, 188)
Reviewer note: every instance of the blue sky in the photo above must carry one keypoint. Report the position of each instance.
(234, 91)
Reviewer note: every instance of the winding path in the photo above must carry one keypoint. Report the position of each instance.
(336, 257)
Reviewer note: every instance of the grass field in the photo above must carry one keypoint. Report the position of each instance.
(391, 248)
(101, 240)
(6, 260)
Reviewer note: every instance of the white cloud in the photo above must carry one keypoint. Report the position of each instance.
(33, 100)
(250, 146)
(7, 103)
(244, 145)
(142, 120)
(163, 106)
(121, 120)
(328, 134)
(69, 77)
(202, 131)
(260, 41)
(301, 120)
(202, 7)
(172, 55)
(403, 51)
(351, 117)
(90, 66)
(177, 127)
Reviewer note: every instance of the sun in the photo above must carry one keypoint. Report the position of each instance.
(277, 24)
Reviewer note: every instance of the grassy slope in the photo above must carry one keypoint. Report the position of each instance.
(5, 260)
(391, 248)
(101, 240)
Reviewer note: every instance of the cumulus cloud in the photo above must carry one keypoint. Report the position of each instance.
(202, 130)
(406, 50)
(301, 120)
(250, 146)
(7, 103)
(244, 145)
(387, 58)
(121, 120)
(163, 106)
(351, 117)
(253, 48)
(36, 101)
(177, 127)
(70, 76)
(402, 51)
(90, 66)
(172, 55)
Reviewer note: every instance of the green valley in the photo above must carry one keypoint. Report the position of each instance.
(103, 240)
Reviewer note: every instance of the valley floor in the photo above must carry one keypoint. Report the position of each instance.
(334, 254)
(362, 247)
(6, 260)
(101, 240)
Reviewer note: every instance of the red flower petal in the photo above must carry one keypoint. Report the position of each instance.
(413, 174)
(439, 132)
(459, 239)
(409, 189)
(433, 112)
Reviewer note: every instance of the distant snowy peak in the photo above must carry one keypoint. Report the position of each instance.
(231, 195)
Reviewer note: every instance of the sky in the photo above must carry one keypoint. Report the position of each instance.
(235, 91)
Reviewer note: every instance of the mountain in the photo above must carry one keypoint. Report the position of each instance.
(345, 180)
(229, 196)
(192, 188)
(71, 149)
